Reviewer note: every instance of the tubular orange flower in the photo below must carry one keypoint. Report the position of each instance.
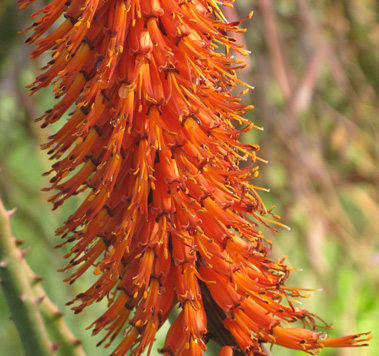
(169, 217)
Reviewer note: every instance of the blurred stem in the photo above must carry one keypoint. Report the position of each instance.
(266, 350)
(366, 52)
(18, 293)
(69, 345)
(22, 285)
(271, 33)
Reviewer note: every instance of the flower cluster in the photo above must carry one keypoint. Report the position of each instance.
(169, 217)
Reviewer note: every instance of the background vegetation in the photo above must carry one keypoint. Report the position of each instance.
(314, 65)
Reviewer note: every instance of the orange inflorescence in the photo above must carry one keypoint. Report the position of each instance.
(169, 218)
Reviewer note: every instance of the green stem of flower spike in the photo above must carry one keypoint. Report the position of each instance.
(28, 302)
(18, 293)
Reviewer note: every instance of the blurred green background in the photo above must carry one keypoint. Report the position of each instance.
(315, 68)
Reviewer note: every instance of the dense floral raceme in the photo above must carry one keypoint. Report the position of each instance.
(169, 222)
